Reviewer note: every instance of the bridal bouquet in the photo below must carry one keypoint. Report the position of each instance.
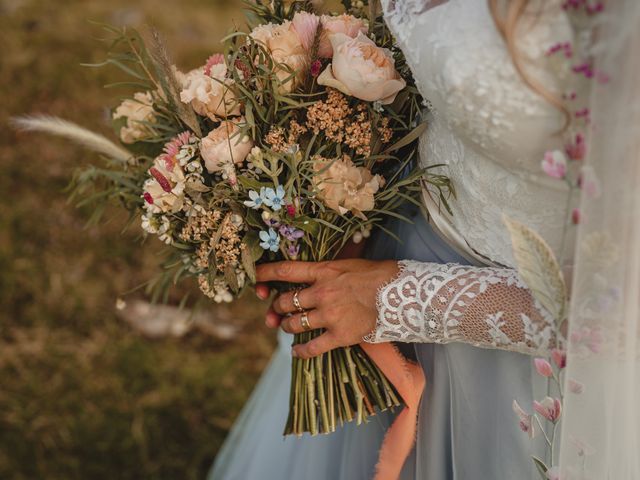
(298, 138)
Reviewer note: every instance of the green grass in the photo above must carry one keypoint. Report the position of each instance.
(82, 395)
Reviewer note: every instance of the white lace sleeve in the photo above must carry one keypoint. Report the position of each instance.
(485, 307)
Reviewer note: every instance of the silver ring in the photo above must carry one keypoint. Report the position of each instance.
(304, 321)
(296, 301)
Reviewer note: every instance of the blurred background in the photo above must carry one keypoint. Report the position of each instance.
(95, 382)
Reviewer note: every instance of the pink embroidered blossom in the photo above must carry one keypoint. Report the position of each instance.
(589, 182)
(525, 420)
(578, 148)
(584, 449)
(554, 164)
(576, 216)
(543, 367)
(553, 473)
(584, 113)
(564, 47)
(575, 386)
(585, 69)
(549, 408)
(591, 338)
(559, 357)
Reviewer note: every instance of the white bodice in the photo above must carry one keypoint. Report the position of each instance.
(488, 128)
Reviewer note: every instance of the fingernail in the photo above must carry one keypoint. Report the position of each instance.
(294, 353)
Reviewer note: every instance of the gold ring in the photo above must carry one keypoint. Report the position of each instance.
(296, 301)
(304, 321)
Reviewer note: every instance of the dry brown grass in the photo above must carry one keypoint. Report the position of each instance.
(81, 395)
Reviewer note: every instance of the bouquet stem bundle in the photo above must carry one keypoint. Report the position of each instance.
(337, 387)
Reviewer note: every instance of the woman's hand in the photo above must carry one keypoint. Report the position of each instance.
(341, 298)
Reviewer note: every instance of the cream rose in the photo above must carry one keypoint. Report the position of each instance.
(346, 24)
(285, 46)
(361, 69)
(210, 94)
(224, 147)
(345, 187)
(137, 111)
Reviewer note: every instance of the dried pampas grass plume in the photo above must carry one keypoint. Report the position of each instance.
(81, 136)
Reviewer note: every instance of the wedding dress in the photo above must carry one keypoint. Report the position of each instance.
(490, 131)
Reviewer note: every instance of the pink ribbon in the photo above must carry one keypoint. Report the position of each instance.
(409, 380)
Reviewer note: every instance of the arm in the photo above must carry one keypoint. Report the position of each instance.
(410, 302)
(485, 307)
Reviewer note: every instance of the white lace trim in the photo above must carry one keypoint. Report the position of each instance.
(485, 307)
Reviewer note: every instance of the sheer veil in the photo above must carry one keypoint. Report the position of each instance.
(601, 426)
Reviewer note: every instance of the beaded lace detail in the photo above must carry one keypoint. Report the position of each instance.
(484, 307)
(488, 128)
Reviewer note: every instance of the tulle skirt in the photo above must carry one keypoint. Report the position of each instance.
(466, 429)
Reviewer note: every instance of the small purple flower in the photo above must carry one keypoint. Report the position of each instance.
(293, 251)
(291, 233)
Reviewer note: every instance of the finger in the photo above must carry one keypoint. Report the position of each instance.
(294, 272)
(284, 303)
(272, 319)
(322, 344)
(262, 291)
(293, 323)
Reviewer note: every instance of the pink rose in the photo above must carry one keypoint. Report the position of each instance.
(361, 69)
(286, 47)
(345, 24)
(209, 92)
(224, 147)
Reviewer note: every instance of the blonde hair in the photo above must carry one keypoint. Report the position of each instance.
(506, 20)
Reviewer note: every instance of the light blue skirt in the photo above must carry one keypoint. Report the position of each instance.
(467, 429)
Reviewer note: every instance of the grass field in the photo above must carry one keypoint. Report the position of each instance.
(81, 394)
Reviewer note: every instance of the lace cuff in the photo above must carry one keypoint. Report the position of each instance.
(485, 307)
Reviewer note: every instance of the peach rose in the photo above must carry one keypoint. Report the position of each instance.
(361, 69)
(136, 111)
(346, 24)
(224, 147)
(285, 46)
(209, 92)
(344, 187)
